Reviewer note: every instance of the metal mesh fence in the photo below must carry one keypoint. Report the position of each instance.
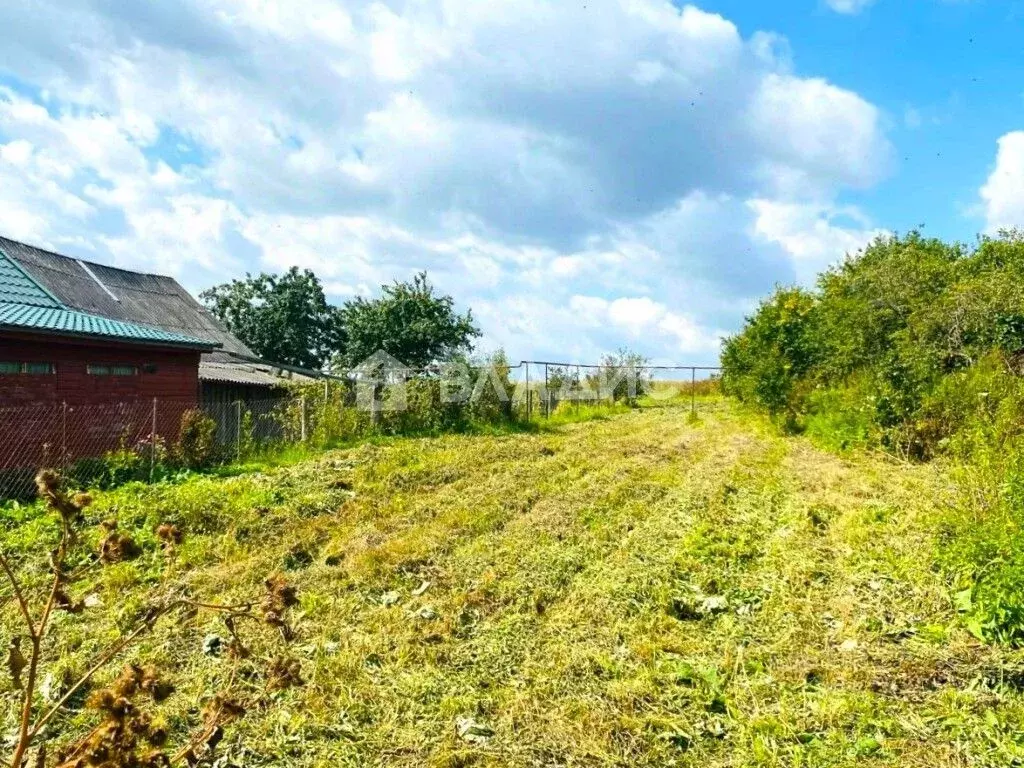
(105, 445)
(82, 440)
(553, 388)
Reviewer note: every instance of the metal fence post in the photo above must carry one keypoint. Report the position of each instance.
(528, 392)
(547, 394)
(579, 388)
(302, 406)
(64, 436)
(152, 445)
(238, 429)
(693, 391)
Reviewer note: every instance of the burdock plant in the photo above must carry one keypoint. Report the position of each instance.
(128, 735)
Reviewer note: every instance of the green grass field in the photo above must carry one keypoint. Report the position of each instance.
(640, 590)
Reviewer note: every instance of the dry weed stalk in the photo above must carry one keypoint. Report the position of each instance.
(128, 736)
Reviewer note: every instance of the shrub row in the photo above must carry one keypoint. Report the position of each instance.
(914, 346)
(908, 345)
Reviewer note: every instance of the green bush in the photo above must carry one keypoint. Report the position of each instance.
(125, 464)
(915, 346)
(493, 391)
(901, 328)
(418, 407)
(621, 377)
(980, 545)
(197, 440)
(768, 364)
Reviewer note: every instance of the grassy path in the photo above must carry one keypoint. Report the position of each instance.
(640, 591)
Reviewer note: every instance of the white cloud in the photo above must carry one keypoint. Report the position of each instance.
(525, 152)
(816, 137)
(649, 321)
(635, 315)
(848, 6)
(810, 234)
(1003, 193)
(568, 266)
(190, 225)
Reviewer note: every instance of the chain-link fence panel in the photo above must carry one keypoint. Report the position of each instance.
(109, 444)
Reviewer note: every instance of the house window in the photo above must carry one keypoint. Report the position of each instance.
(40, 369)
(111, 370)
(29, 368)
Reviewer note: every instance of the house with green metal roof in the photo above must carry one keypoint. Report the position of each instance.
(228, 373)
(52, 353)
(76, 384)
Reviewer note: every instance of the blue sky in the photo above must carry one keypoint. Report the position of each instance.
(949, 75)
(584, 175)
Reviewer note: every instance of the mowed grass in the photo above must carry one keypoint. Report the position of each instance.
(643, 590)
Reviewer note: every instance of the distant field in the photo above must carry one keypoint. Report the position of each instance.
(639, 590)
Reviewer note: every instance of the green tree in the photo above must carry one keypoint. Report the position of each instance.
(282, 318)
(764, 364)
(623, 376)
(409, 322)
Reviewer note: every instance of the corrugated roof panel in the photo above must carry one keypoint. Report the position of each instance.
(53, 319)
(18, 287)
(153, 300)
(239, 374)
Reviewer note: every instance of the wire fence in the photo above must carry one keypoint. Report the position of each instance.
(109, 444)
(549, 386)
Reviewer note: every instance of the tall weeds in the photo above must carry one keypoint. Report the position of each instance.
(128, 734)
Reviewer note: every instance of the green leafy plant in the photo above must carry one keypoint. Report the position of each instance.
(197, 440)
(284, 318)
(493, 391)
(409, 322)
(621, 377)
(768, 363)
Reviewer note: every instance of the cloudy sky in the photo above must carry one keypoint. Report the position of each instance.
(584, 174)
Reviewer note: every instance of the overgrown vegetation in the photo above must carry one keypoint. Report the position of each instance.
(480, 396)
(916, 347)
(197, 441)
(635, 590)
(131, 732)
(623, 375)
(195, 449)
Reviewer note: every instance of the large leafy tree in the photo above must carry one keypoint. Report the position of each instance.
(283, 318)
(408, 321)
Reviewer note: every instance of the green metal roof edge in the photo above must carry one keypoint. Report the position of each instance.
(31, 278)
(185, 342)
